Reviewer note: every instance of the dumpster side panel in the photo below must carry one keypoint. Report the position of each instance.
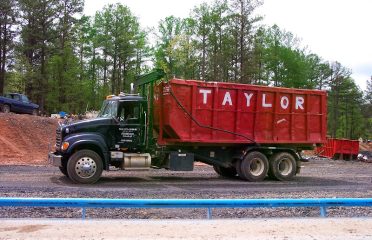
(346, 146)
(204, 112)
(337, 147)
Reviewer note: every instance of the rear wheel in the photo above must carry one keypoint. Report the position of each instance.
(85, 166)
(254, 166)
(225, 172)
(238, 168)
(6, 109)
(282, 166)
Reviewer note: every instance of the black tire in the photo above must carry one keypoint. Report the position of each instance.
(63, 168)
(64, 171)
(84, 166)
(283, 166)
(6, 109)
(238, 168)
(225, 172)
(254, 167)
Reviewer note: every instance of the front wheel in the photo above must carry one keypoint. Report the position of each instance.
(85, 166)
(282, 166)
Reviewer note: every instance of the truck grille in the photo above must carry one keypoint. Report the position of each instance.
(58, 138)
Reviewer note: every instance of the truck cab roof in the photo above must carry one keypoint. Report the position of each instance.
(125, 97)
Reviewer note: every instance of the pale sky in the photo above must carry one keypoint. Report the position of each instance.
(336, 30)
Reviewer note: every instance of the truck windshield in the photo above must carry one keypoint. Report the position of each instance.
(109, 109)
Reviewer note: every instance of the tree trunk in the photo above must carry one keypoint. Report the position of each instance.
(113, 79)
(3, 42)
(203, 57)
(242, 45)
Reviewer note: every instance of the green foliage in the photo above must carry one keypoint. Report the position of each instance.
(120, 48)
(368, 92)
(345, 119)
(68, 62)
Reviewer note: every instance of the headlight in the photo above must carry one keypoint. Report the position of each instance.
(64, 146)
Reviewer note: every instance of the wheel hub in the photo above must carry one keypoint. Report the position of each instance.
(85, 167)
(257, 167)
(285, 167)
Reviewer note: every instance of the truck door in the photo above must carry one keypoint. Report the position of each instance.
(131, 125)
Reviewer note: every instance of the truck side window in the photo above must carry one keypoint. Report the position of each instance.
(129, 112)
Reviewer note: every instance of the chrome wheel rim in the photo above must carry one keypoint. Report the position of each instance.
(285, 166)
(257, 167)
(85, 167)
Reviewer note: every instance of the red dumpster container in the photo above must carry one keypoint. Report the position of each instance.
(188, 111)
(339, 149)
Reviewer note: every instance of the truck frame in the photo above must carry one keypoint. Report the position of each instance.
(246, 131)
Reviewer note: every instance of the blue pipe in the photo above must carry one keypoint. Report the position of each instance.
(184, 203)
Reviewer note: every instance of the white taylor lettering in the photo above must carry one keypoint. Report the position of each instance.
(299, 102)
(226, 99)
(248, 97)
(284, 102)
(205, 92)
(264, 104)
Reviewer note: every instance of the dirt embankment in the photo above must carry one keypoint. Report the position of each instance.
(26, 139)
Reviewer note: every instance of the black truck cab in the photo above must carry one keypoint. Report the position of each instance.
(129, 120)
(85, 148)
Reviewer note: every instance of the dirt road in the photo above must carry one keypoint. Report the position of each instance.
(319, 178)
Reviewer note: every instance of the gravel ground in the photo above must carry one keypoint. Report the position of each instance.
(319, 178)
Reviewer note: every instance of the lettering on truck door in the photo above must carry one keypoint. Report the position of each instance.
(129, 128)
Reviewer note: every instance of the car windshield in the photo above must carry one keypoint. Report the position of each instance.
(109, 109)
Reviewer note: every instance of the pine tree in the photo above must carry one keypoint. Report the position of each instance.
(8, 17)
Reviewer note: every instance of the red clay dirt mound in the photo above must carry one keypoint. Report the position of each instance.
(26, 139)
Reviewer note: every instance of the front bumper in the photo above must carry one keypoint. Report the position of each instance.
(55, 159)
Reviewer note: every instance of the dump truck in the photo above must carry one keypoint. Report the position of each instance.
(244, 131)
